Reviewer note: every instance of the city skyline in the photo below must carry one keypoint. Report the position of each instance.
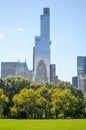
(20, 24)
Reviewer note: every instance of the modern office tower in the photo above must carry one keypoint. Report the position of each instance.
(75, 81)
(41, 54)
(8, 69)
(52, 72)
(82, 83)
(22, 70)
(81, 65)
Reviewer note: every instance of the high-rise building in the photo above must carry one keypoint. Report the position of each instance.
(82, 83)
(41, 53)
(80, 79)
(81, 72)
(81, 65)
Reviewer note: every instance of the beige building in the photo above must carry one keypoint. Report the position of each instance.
(82, 83)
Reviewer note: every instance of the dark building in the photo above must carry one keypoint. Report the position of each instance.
(81, 65)
(75, 81)
(52, 72)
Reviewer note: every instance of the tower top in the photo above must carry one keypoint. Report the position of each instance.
(46, 11)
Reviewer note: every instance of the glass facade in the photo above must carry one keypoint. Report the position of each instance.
(42, 46)
(81, 65)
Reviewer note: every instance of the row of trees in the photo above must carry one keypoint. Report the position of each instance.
(22, 98)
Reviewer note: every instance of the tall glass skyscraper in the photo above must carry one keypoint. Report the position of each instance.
(41, 53)
(81, 65)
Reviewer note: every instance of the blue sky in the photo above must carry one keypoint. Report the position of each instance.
(20, 23)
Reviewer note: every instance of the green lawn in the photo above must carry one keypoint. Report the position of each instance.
(42, 124)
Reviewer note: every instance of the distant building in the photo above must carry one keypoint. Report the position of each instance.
(8, 69)
(15, 69)
(81, 65)
(82, 83)
(81, 70)
(57, 80)
(22, 70)
(52, 72)
(30, 75)
(75, 81)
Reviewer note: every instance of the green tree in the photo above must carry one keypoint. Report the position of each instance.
(75, 92)
(3, 101)
(12, 86)
(64, 103)
(84, 110)
(43, 101)
(25, 101)
(1, 83)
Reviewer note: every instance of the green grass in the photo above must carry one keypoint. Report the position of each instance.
(42, 124)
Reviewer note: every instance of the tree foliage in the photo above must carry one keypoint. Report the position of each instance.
(3, 101)
(22, 98)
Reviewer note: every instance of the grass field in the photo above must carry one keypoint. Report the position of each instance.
(42, 124)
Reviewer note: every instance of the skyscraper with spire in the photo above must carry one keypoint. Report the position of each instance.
(41, 51)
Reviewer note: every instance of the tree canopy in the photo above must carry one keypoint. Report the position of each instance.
(22, 98)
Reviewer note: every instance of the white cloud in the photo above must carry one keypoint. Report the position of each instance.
(20, 29)
(1, 36)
